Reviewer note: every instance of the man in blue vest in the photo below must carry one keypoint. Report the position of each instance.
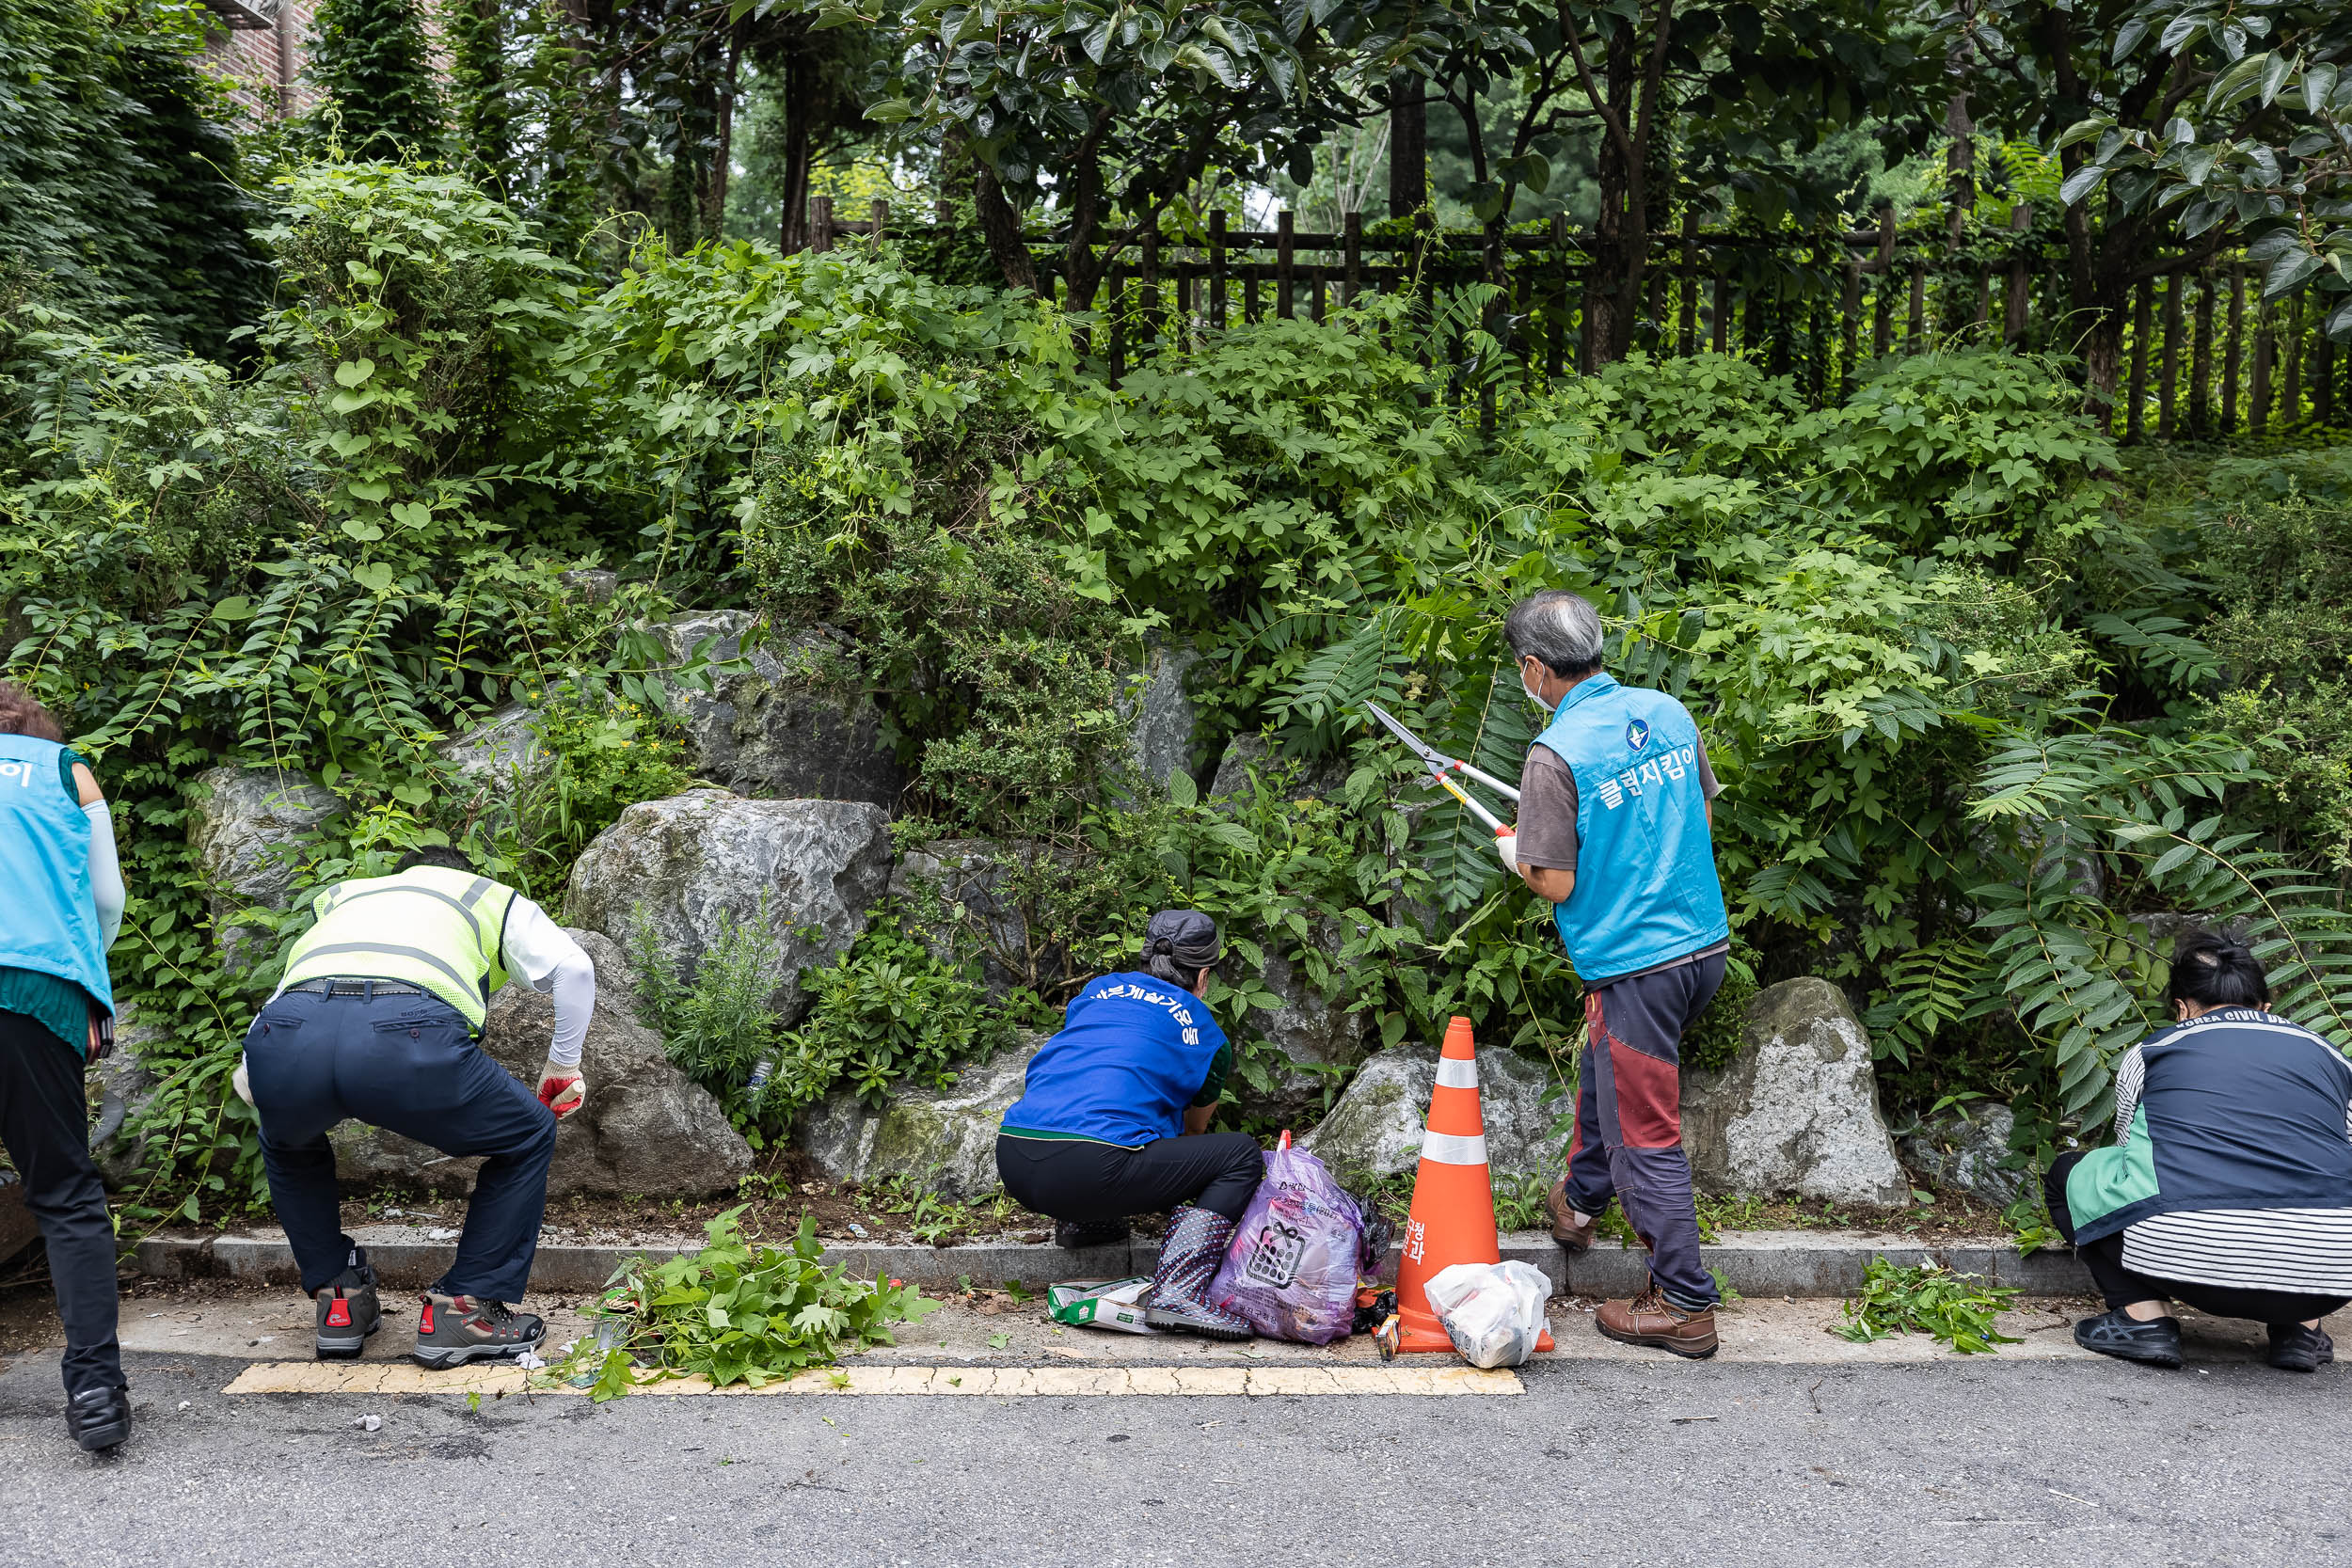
(1615, 829)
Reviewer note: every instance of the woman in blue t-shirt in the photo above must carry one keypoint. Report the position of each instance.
(1113, 1120)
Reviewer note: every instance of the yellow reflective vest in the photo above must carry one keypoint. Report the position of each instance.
(429, 926)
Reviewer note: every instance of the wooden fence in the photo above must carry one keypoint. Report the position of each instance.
(2202, 357)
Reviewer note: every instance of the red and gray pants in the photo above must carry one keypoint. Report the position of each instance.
(1629, 1119)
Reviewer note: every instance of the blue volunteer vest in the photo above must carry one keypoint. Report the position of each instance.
(1646, 887)
(52, 927)
(1131, 1054)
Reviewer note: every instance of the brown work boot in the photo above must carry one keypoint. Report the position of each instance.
(1572, 1236)
(1651, 1319)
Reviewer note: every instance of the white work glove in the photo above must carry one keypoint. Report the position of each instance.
(1507, 846)
(243, 1084)
(562, 1089)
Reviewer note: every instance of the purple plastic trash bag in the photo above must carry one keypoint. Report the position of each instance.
(1291, 1268)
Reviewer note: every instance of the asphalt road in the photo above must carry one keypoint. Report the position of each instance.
(2047, 1462)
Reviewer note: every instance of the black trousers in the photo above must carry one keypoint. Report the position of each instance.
(45, 1120)
(1089, 1183)
(2121, 1285)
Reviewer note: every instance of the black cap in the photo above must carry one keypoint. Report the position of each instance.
(1187, 936)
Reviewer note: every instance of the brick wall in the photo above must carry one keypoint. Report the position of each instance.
(259, 46)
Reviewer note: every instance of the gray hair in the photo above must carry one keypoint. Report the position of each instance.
(1560, 628)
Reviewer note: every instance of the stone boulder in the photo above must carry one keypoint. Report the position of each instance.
(944, 1137)
(646, 1129)
(1961, 1151)
(503, 750)
(1318, 780)
(1309, 1028)
(1160, 714)
(1375, 1128)
(591, 584)
(957, 894)
(1796, 1113)
(771, 728)
(808, 870)
(124, 1086)
(244, 828)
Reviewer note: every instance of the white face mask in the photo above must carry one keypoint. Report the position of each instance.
(1532, 697)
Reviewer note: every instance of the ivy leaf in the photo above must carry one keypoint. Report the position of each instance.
(353, 372)
(373, 576)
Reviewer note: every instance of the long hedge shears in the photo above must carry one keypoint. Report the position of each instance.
(1440, 767)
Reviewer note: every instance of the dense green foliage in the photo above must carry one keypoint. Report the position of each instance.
(118, 186)
(371, 65)
(1955, 673)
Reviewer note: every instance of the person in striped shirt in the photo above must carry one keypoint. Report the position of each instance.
(2228, 1185)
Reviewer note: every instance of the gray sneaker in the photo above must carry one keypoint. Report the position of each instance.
(348, 1312)
(453, 1330)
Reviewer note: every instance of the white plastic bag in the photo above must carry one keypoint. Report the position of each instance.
(1493, 1312)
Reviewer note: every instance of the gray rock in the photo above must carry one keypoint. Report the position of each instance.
(1242, 752)
(1160, 714)
(244, 829)
(592, 584)
(808, 869)
(1375, 1128)
(1796, 1113)
(960, 895)
(124, 1087)
(1961, 1151)
(947, 1137)
(646, 1129)
(503, 749)
(18, 1229)
(1309, 1028)
(771, 729)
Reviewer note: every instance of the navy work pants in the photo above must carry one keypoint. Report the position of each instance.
(45, 1120)
(1629, 1119)
(409, 1065)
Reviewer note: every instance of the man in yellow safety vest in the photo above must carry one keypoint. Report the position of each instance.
(379, 1018)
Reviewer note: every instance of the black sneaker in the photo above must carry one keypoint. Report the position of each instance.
(2296, 1349)
(2155, 1343)
(100, 1418)
(348, 1312)
(1077, 1235)
(453, 1330)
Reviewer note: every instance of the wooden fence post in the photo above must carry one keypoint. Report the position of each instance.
(1916, 342)
(2020, 276)
(2291, 358)
(1353, 238)
(2265, 349)
(2322, 375)
(2134, 418)
(1722, 335)
(2201, 360)
(1283, 305)
(2232, 356)
(1688, 329)
(1852, 332)
(1216, 269)
(820, 227)
(1151, 318)
(2169, 382)
(1555, 344)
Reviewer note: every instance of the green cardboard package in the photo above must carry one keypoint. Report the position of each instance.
(1113, 1303)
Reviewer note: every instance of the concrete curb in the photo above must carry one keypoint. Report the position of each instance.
(1754, 1264)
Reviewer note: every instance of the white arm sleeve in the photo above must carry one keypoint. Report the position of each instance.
(2131, 1075)
(105, 872)
(549, 960)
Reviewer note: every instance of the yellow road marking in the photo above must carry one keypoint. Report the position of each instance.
(404, 1377)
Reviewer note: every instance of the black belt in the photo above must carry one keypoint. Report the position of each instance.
(345, 986)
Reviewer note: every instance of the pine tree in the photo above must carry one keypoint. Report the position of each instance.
(373, 67)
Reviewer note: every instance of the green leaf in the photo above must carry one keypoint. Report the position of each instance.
(1183, 790)
(353, 372)
(373, 576)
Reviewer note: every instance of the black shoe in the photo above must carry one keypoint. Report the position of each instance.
(100, 1418)
(2118, 1334)
(2296, 1349)
(453, 1330)
(348, 1312)
(1076, 1235)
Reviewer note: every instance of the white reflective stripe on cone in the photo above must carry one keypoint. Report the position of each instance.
(1453, 1148)
(1455, 1073)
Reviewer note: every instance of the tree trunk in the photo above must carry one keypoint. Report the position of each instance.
(805, 94)
(1001, 227)
(1621, 236)
(723, 159)
(1408, 148)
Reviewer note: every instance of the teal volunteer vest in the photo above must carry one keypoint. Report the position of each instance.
(1646, 886)
(50, 924)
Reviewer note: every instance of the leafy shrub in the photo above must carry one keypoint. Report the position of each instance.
(718, 1026)
(738, 1313)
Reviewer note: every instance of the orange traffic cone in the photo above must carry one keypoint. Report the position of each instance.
(1453, 1196)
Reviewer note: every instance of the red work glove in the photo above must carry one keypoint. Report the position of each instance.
(562, 1089)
